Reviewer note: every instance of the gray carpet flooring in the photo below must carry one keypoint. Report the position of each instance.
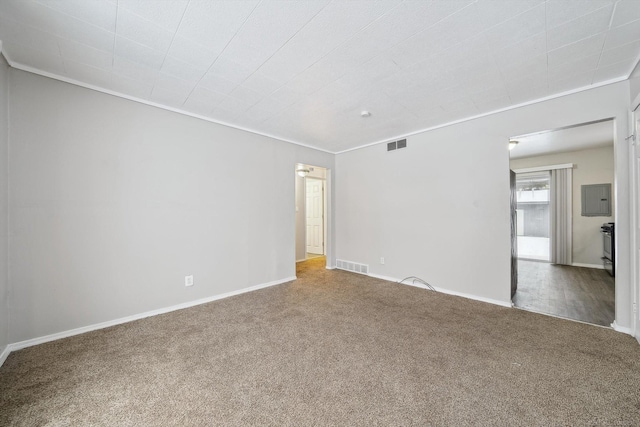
(332, 348)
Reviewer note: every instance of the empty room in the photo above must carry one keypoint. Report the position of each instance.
(319, 212)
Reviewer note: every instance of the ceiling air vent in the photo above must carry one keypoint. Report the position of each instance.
(402, 143)
(391, 146)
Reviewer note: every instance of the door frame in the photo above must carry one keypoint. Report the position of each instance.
(634, 171)
(328, 224)
(619, 146)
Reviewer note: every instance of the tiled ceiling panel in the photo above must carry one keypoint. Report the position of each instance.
(304, 70)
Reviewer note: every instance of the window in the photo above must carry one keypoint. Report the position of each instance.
(532, 226)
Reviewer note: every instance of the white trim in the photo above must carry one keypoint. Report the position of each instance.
(446, 291)
(580, 264)
(395, 138)
(634, 117)
(7, 349)
(153, 104)
(544, 168)
(330, 267)
(622, 329)
(325, 216)
(466, 119)
(300, 260)
(560, 317)
(5, 354)
(636, 103)
(65, 334)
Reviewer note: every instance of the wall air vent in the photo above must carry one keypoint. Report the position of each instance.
(352, 266)
(396, 145)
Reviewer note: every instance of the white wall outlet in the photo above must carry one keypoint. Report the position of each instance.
(188, 280)
(382, 260)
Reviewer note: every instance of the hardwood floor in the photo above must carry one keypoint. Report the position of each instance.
(585, 294)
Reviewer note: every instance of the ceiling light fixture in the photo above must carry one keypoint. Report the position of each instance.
(512, 144)
(302, 172)
(365, 113)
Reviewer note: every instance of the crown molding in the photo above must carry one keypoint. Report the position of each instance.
(290, 141)
(466, 119)
(54, 76)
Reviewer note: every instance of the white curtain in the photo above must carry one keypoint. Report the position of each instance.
(561, 216)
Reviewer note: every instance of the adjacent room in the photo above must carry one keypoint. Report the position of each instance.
(564, 222)
(266, 212)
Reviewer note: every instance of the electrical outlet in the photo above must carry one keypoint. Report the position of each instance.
(382, 260)
(188, 280)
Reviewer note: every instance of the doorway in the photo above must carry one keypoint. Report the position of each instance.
(311, 212)
(560, 241)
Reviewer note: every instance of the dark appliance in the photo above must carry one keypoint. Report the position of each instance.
(609, 247)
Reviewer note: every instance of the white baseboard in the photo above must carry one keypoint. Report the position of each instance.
(622, 329)
(446, 291)
(330, 267)
(579, 264)
(64, 334)
(387, 278)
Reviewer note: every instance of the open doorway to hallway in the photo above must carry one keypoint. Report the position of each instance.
(563, 196)
(311, 212)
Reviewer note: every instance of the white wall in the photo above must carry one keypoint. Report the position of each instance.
(4, 203)
(439, 209)
(591, 166)
(113, 202)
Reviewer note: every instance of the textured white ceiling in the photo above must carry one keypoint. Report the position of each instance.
(590, 135)
(304, 70)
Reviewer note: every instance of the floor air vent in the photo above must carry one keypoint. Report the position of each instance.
(352, 266)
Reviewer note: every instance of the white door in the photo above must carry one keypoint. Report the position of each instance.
(315, 220)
